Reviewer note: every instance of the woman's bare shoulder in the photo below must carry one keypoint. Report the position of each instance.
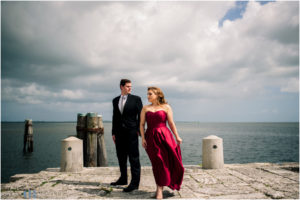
(167, 107)
(146, 107)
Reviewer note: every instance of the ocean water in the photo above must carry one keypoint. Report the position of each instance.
(242, 143)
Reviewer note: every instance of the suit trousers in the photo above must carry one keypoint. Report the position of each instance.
(127, 145)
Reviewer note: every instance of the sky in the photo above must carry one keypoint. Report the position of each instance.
(215, 61)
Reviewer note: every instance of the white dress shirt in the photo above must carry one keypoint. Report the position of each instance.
(124, 101)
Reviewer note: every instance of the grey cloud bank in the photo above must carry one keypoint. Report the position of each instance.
(62, 58)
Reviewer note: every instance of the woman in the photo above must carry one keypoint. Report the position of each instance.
(159, 143)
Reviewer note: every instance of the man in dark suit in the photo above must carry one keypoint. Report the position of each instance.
(125, 131)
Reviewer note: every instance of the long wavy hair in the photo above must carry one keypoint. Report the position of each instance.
(160, 95)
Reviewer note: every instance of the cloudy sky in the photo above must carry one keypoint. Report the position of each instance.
(215, 61)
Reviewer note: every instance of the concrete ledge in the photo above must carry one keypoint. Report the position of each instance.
(234, 181)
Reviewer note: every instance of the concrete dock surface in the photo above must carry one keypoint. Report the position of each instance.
(234, 181)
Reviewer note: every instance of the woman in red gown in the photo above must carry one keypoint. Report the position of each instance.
(159, 143)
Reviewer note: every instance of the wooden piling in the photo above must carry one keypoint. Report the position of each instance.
(92, 128)
(28, 136)
(101, 150)
(81, 123)
(81, 134)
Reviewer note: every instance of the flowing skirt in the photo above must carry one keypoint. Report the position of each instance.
(165, 156)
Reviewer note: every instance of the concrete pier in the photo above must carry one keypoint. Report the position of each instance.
(234, 181)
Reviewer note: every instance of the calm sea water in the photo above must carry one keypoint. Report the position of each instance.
(243, 143)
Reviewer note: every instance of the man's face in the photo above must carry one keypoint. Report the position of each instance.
(126, 89)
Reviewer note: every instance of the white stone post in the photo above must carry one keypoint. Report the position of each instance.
(71, 155)
(212, 152)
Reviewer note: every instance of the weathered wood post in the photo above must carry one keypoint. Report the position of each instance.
(92, 128)
(28, 136)
(81, 122)
(101, 150)
(81, 134)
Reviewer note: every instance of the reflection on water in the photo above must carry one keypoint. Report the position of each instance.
(27, 155)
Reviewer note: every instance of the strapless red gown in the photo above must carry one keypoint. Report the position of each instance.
(163, 151)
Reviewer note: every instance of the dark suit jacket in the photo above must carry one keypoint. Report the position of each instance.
(130, 119)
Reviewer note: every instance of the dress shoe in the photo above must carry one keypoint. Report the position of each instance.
(130, 188)
(119, 182)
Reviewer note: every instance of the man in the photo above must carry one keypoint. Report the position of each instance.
(125, 131)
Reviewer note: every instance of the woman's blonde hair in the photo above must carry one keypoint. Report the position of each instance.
(160, 95)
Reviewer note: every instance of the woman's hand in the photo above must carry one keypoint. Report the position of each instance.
(114, 138)
(179, 140)
(144, 143)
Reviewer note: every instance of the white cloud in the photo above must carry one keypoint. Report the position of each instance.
(69, 94)
(76, 52)
(291, 86)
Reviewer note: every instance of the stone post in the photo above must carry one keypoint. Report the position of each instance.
(101, 150)
(212, 152)
(92, 128)
(71, 155)
(28, 136)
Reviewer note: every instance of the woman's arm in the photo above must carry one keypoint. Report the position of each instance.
(142, 126)
(139, 107)
(172, 124)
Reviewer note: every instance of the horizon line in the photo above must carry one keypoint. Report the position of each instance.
(44, 121)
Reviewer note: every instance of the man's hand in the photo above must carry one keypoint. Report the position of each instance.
(114, 138)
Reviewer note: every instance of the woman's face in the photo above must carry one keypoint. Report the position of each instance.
(151, 96)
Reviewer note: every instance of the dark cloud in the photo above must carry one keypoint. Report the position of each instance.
(70, 56)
